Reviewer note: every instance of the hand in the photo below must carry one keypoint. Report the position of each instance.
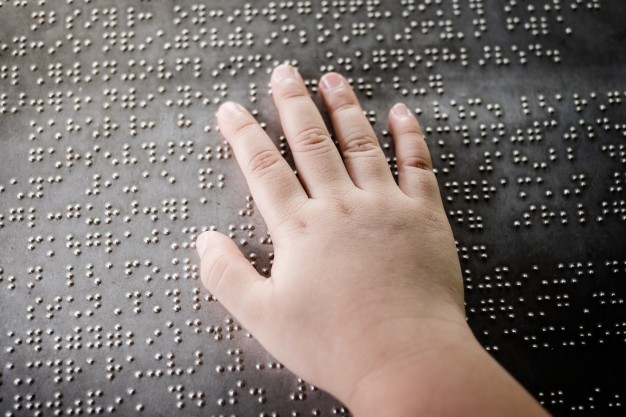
(366, 276)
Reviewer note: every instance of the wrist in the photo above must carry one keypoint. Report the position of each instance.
(456, 377)
(413, 384)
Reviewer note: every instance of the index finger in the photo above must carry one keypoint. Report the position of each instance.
(274, 186)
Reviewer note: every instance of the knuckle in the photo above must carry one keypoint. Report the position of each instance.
(296, 221)
(245, 127)
(312, 139)
(291, 90)
(263, 161)
(355, 204)
(345, 104)
(412, 129)
(416, 160)
(296, 226)
(345, 207)
(359, 143)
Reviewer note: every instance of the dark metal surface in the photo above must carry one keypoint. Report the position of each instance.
(111, 165)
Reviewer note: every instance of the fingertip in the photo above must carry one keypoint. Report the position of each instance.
(331, 81)
(284, 72)
(207, 239)
(402, 121)
(230, 109)
(202, 243)
(401, 112)
(229, 116)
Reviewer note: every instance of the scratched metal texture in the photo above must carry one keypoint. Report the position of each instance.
(111, 164)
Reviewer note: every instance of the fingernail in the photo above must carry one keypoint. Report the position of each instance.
(284, 72)
(332, 82)
(202, 243)
(230, 109)
(401, 111)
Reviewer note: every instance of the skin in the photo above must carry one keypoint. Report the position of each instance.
(365, 298)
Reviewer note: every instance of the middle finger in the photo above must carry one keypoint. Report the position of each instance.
(318, 162)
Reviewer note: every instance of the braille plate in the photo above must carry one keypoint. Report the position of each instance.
(111, 164)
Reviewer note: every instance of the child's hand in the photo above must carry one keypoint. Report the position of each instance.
(366, 281)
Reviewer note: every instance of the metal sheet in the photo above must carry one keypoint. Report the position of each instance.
(111, 165)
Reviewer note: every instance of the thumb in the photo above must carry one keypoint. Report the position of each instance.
(228, 275)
